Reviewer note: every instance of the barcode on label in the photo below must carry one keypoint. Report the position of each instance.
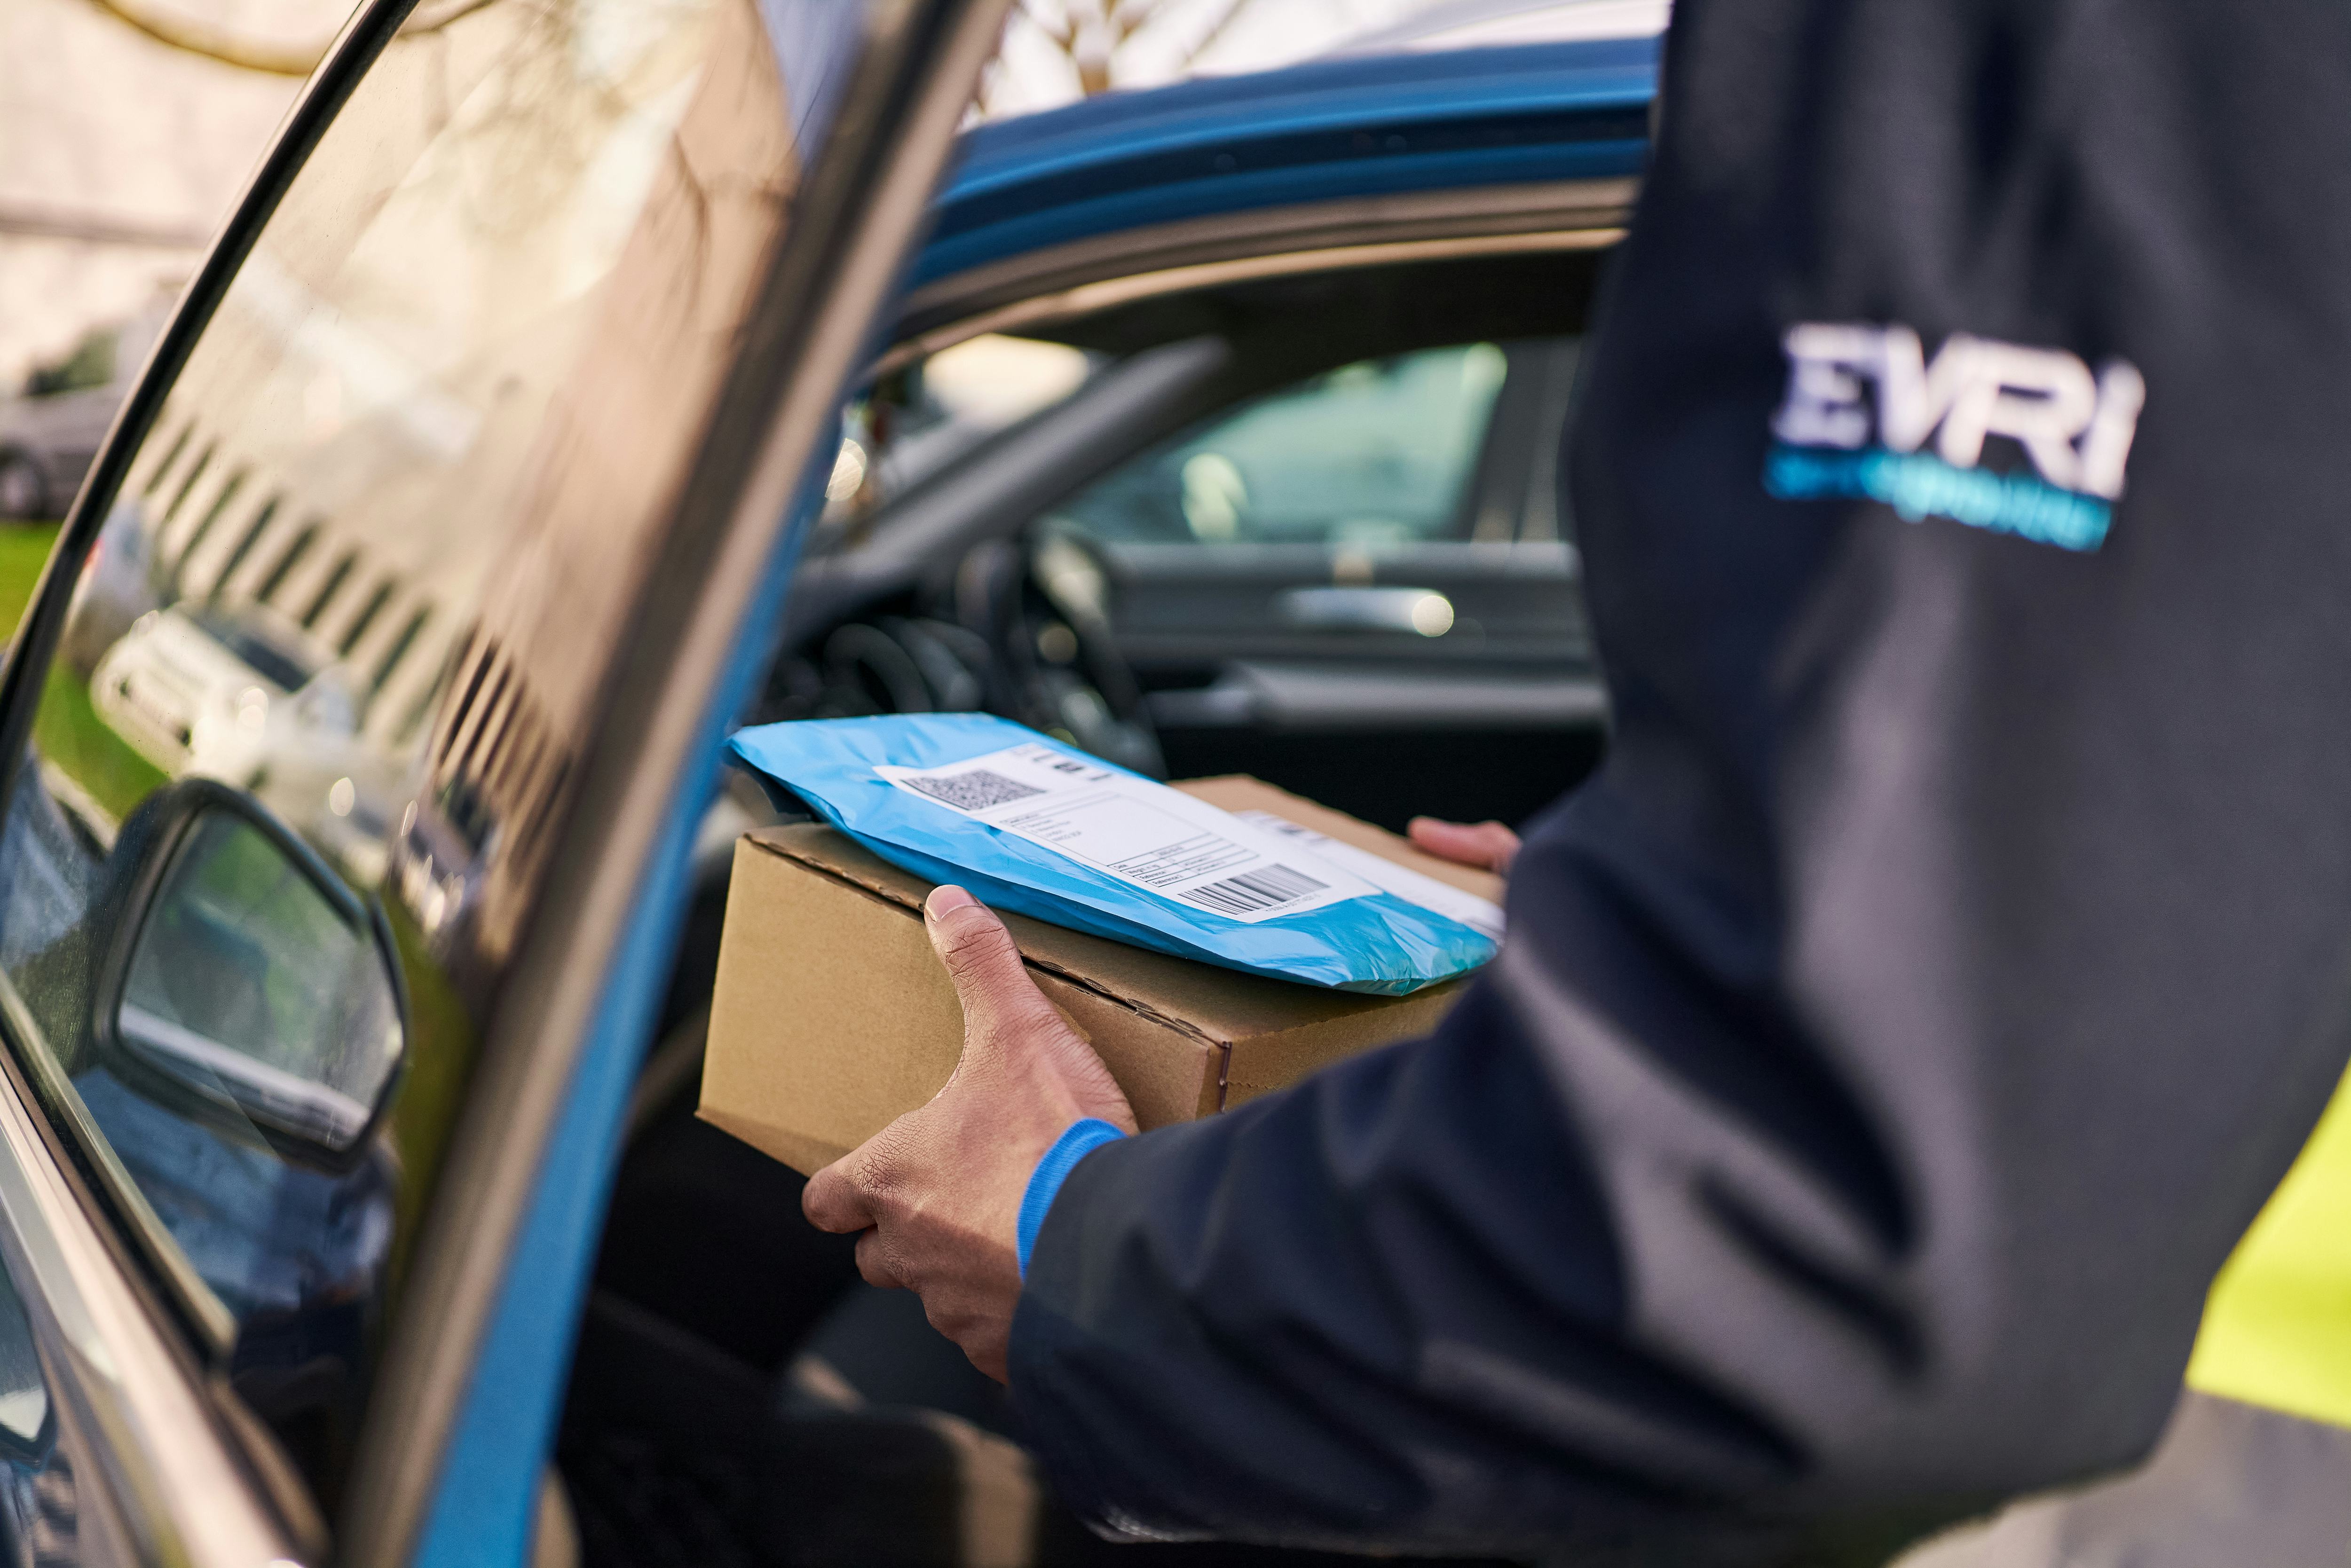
(1254, 890)
(974, 791)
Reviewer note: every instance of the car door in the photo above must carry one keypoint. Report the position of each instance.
(1358, 583)
(357, 733)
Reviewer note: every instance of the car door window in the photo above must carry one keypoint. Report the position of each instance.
(287, 787)
(1378, 452)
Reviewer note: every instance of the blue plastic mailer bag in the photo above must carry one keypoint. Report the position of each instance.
(1028, 824)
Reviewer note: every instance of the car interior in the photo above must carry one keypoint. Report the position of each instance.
(1307, 527)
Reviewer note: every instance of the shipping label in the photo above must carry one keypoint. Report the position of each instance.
(1411, 886)
(1144, 834)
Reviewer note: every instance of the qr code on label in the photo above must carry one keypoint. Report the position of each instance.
(974, 791)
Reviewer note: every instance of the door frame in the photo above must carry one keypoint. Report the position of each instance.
(467, 1394)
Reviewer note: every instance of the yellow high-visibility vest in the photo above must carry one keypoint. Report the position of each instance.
(2277, 1325)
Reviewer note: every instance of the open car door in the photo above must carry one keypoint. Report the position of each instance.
(357, 735)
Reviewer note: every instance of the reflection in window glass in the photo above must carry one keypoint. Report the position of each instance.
(23, 1390)
(454, 384)
(923, 419)
(992, 379)
(1381, 452)
(249, 984)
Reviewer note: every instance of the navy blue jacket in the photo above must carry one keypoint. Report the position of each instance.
(1955, 947)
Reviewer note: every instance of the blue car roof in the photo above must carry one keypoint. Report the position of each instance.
(1378, 125)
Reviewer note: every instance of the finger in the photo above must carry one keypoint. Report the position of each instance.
(1446, 841)
(985, 963)
(835, 1200)
(979, 1335)
(875, 1264)
(1487, 845)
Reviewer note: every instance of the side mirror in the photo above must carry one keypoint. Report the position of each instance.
(248, 986)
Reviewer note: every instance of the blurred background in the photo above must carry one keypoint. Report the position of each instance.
(126, 128)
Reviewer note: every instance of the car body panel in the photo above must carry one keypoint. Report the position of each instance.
(1380, 127)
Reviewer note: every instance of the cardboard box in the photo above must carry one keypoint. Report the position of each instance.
(832, 1015)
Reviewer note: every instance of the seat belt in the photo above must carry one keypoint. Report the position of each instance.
(2277, 1323)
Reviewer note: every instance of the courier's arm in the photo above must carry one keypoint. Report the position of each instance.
(1893, 1039)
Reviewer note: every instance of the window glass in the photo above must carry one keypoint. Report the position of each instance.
(919, 421)
(1380, 452)
(313, 707)
(246, 976)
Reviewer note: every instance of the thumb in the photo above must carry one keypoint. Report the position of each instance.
(985, 963)
(1003, 1010)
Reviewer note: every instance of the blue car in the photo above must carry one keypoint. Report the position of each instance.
(576, 382)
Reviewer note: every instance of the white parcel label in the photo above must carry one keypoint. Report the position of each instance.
(1476, 912)
(1146, 835)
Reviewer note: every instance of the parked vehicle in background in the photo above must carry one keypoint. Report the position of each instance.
(195, 694)
(50, 430)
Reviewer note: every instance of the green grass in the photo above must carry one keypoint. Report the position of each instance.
(69, 733)
(24, 550)
(67, 728)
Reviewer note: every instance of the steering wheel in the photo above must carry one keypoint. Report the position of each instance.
(1043, 611)
(1022, 630)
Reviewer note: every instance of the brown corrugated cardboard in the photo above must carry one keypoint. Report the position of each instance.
(832, 1015)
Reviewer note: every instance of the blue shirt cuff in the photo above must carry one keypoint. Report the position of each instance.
(1053, 1167)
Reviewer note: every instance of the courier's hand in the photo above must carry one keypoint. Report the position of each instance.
(1489, 846)
(937, 1192)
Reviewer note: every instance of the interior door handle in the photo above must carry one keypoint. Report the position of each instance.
(1422, 610)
